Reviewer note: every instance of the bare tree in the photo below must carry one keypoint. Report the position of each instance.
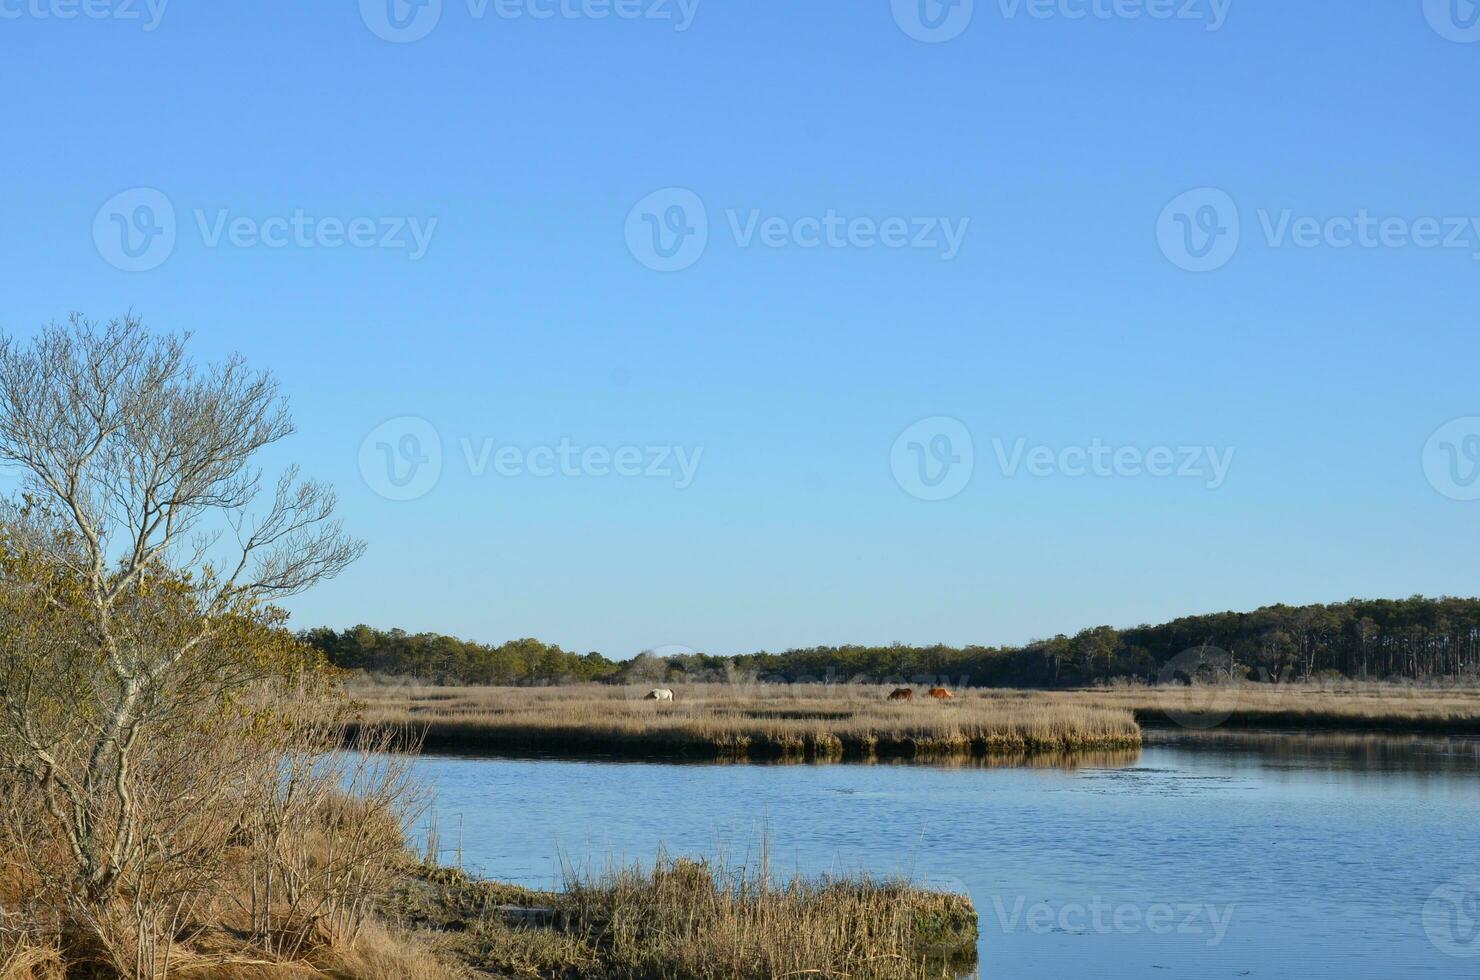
(140, 557)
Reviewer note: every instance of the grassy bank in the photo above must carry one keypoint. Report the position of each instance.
(856, 722)
(681, 920)
(716, 721)
(1338, 706)
(688, 919)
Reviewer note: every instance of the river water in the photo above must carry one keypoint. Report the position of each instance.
(1241, 856)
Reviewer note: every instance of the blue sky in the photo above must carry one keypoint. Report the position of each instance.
(1061, 148)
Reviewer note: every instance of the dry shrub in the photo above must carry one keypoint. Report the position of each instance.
(321, 838)
(264, 840)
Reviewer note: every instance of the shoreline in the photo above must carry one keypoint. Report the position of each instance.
(576, 744)
(1306, 723)
(854, 723)
(663, 918)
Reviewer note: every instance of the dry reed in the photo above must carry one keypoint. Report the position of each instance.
(723, 721)
(1317, 706)
(700, 921)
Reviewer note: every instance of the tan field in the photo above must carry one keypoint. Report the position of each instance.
(1342, 706)
(747, 721)
(829, 722)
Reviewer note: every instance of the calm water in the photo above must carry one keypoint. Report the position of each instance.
(1275, 857)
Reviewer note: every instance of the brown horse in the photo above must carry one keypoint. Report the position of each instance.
(941, 694)
(902, 694)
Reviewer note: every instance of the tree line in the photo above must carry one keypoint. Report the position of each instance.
(1417, 638)
(441, 659)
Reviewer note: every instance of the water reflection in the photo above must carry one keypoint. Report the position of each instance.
(1065, 761)
(1407, 754)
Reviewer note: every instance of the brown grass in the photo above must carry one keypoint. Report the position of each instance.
(699, 921)
(306, 877)
(23, 960)
(1331, 706)
(856, 722)
(720, 721)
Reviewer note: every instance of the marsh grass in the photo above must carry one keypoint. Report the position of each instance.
(1315, 706)
(831, 722)
(705, 921)
(723, 721)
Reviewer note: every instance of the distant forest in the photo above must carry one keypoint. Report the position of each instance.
(1417, 638)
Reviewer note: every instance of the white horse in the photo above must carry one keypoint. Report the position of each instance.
(659, 694)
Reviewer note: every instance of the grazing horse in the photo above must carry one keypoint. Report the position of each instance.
(902, 694)
(659, 694)
(941, 694)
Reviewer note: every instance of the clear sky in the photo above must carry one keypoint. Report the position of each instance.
(833, 149)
